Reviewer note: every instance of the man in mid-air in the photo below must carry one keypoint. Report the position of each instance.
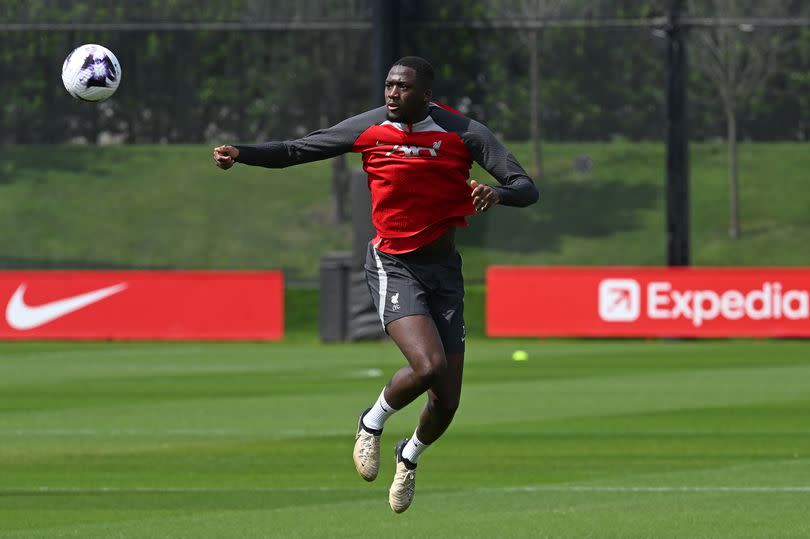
(418, 155)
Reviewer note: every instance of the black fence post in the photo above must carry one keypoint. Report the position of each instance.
(346, 309)
(385, 30)
(677, 142)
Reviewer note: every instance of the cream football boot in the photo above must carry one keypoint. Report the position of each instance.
(400, 495)
(367, 450)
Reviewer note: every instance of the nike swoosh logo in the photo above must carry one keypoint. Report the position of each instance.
(22, 316)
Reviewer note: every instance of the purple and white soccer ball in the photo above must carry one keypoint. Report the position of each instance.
(91, 73)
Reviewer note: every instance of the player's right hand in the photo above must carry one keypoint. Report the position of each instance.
(225, 156)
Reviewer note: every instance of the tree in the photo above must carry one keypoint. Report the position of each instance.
(536, 9)
(738, 61)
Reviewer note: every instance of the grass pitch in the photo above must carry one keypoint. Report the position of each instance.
(603, 439)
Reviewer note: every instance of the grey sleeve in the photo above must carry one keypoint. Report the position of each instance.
(321, 144)
(517, 188)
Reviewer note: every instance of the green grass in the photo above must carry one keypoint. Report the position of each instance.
(602, 439)
(169, 207)
(616, 214)
(160, 207)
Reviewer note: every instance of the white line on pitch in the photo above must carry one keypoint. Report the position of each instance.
(336, 432)
(507, 490)
(608, 488)
(288, 433)
(167, 490)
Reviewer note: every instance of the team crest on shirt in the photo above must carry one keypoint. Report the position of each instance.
(395, 302)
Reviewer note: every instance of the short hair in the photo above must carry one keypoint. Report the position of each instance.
(424, 71)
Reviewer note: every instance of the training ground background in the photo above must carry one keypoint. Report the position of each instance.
(622, 438)
(602, 439)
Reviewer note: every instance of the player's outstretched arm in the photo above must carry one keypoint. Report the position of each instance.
(225, 156)
(321, 144)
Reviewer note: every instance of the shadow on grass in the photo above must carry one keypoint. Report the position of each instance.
(586, 208)
(33, 162)
(22, 263)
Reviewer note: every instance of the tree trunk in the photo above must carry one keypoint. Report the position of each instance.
(341, 200)
(340, 190)
(534, 104)
(733, 184)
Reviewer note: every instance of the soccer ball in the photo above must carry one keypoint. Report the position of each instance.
(91, 73)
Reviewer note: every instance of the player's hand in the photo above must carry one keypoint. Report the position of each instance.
(225, 156)
(484, 196)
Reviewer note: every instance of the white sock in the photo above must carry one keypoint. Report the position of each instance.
(375, 418)
(413, 449)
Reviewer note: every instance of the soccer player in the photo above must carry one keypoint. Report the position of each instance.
(417, 155)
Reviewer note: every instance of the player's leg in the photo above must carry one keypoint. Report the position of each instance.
(446, 304)
(419, 341)
(440, 408)
(401, 304)
(436, 416)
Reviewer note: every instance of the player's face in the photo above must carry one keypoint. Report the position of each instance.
(405, 95)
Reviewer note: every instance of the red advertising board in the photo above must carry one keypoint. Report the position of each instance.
(647, 302)
(163, 305)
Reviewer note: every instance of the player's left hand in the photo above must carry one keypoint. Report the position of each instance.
(484, 196)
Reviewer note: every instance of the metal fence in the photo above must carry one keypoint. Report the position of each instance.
(577, 88)
(196, 71)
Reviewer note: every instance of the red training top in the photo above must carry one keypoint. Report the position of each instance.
(417, 173)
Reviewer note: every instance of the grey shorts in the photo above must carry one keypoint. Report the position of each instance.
(409, 284)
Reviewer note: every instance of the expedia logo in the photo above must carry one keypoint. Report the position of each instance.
(769, 302)
(620, 301)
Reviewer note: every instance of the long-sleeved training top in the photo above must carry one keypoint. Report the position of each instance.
(417, 173)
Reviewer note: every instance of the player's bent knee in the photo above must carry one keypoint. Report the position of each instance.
(431, 369)
(430, 374)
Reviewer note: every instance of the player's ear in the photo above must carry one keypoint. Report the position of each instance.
(428, 95)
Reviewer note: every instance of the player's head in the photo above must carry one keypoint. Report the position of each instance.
(408, 89)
